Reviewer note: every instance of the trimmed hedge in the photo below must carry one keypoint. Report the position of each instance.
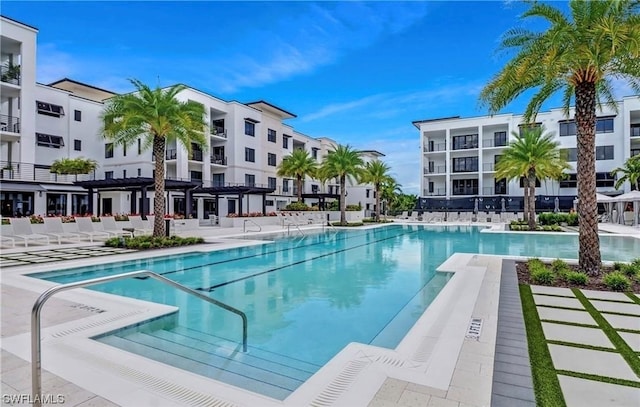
(551, 218)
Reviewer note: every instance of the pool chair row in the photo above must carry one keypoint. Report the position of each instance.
(483, 217)
(301, 218)
(20, 230)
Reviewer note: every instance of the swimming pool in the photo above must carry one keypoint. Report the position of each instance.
(305, 297)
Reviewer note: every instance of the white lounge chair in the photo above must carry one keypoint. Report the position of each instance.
(403, 215)
(110, 226)
(22, 230)
(85, 227)
(7, 241)
(140, 226)
(53, 227)
(414, 216)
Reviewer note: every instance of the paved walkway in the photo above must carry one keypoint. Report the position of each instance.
(589, 360)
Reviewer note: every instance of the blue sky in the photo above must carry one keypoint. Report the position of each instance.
(357, 72)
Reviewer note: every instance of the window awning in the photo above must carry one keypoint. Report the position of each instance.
(63, 188)
(19, 187)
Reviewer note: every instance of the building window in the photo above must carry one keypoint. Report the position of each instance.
(271, 135)
(570, 181)
(271, 159)
(77, 115)
(500, 186)
(268, 202)
(124, 150)
(465, 142)
(218, 180)
(285, 141)
(249, 154)
(271, 182)
(139, 146)
(124, 173)
(314, 188)
(604, 153)
(431, 187)
(568, 128)
(108, 150)
(285, 185)
(605, 179)
(465, 164)
(368, 192)
(49, 109)
(196, 175)
(249, 129)
(523, 127)
(499, 138)
(569, 154)
(635, 130)
(108, 175)
(249, 180)
(77, 145)
(139, 172)
(48, 140)
(465, 187)
(604, 125)
(314, 153)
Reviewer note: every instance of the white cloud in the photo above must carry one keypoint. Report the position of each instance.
(53, 64)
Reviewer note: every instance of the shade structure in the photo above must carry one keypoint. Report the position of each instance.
(632, 197)
(475, 205)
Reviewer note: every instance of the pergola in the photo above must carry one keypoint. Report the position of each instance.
(321, 197)
(237, 190)
(135, 185)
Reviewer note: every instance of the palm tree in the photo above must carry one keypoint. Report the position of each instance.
(343, 162)
(390, 192)
(158, 117)
(578, 55)
(377, 173)
(532, 155)
(299, 164)
(630, 172)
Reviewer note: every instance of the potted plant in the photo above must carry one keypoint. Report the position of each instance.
(10, 72)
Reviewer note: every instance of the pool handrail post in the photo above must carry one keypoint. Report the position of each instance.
(36, 346)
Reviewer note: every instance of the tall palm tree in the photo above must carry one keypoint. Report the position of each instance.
(532, 155)
(299, 164)
(343, 162)
(158, 117)
(377, 173)
(390, 192)
(630, 172)
(578, 55)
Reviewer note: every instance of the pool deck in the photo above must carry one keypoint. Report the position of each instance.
(442, 364)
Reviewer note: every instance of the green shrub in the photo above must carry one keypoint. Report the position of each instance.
(354, 207)
(618, 265)
(558, 264)
(543, 276)
(628, 270)
(617, 281)
(150, 242)
(576, 277)
(572, 219)
(535, 262)
(297, 206)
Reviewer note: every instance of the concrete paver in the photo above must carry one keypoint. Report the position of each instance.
(565, 315)
(606, 295)
(541, 289)
(576, 334)
(632, 339)
(581, 392)
(604, 306)
(557, 301)
(623, 321)
(589, 361)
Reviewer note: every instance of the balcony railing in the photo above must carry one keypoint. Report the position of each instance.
(10, 124)
(218, 160)
(19, 171)
(467, 146)
(493, 143)
(10, 74)
(437, 169)
(171, 154)
(488, 167)
(195, 155)
(465, 191)
(218, 132)
(436, 147)
(435, 192)
(635, 131)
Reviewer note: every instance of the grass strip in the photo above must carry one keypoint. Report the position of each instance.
(560, 307)
(623, 314)
(631, 331)
(583, 346)
(545, 380)
(609, 300)
(625, 350)
(569, 323)
(633, 297)
(604, 379)
(554, 295)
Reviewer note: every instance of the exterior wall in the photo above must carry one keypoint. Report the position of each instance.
(437, 138)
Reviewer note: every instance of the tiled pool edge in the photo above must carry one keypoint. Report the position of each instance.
(512, 382)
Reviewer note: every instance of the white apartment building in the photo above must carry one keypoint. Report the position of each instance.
(234, 173)
(459, 154)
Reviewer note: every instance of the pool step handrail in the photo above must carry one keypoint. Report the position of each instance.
(36, 345)
(296, 226)
(244, 226)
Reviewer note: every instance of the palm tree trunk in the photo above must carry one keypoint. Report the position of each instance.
(158, 200)
(531, 198)
(526, 198)
(377, 202)
(343, 200)
(299, 181)
(589, 249)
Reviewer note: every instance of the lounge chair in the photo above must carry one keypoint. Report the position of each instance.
(140, 226)
(85, 227)
(22, 230)
(414, 216)
(404, 215)
(110, 226)
(53, 227)
(7, 241)
(452, 216)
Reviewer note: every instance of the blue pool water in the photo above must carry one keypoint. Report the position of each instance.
(305, 297)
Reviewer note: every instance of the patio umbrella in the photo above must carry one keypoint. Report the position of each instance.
(475, 206)
(556, 203)
(502, 202)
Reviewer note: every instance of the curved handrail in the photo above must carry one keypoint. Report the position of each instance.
(244, 226)
(36, 346)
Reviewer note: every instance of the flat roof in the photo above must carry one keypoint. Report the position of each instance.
(18, 22)
(72, 82)
(417, 122)
(374, 152)
(234, 190)
(268, 106)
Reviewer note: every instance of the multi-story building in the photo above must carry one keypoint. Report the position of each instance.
(41, 123)
(459, 154)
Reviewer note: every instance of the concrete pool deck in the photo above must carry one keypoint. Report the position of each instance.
(467, 361)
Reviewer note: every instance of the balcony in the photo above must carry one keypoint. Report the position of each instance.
(220, 132)
(195, 155)
(9, 124)
(218, 160)
(494, 143)
(437, 169)
(465, 191)
(635, 130)
(487, 191)
(435, 147)
(171, 154)
(19, 171)
(10, 74)
(435, 192)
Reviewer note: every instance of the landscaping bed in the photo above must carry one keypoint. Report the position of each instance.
(150, 242)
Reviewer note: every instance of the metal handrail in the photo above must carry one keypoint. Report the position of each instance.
(297, 227)
(244, 226)
(36, 348)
